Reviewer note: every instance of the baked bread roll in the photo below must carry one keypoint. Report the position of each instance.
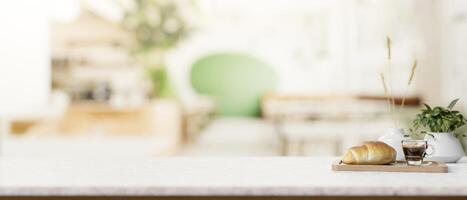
(370, 153)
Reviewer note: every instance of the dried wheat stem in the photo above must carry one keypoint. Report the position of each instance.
(388, 44)
(412, 73)
(409, 82)
(386, 91)
(390, 92)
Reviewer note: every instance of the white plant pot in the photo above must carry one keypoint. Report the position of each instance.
(393, 138)
(446, 147)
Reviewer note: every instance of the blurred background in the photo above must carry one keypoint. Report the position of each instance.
(219, 77)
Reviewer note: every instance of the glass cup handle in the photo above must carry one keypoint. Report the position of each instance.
(429, 150)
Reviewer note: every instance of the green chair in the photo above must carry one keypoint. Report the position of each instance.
(235, 81)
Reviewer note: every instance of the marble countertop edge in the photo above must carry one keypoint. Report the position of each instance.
(230, 191)
(299, 176)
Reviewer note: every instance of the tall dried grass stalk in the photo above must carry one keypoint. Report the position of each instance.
(388, 92)
(409, 82)
(388, 44)
(412, 73)
(392, 102)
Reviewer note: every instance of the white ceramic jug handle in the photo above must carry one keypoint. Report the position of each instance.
(429, 150)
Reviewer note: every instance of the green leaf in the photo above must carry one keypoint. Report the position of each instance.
(427, 106)
(452, 104)
(439, 119)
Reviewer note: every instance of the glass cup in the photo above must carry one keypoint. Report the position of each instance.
(415, 151)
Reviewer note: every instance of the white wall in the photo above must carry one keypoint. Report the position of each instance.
(453, 17)
(24, 56)
(335, 46)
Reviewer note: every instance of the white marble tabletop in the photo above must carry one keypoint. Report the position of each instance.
(269, 176)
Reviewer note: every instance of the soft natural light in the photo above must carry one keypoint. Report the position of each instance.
(238, 99)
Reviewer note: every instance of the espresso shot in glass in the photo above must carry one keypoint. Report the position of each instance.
(414, 151)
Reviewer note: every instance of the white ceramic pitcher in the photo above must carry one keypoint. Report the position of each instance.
(393, 138)
(446, 147)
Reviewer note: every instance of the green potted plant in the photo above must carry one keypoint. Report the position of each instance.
(439, 126)
(156, 27)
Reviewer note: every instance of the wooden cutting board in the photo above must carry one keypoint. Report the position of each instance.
(398, 166)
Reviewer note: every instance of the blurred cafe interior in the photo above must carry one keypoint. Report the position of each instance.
(204, 78)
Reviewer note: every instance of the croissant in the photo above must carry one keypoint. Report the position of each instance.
(370, 153)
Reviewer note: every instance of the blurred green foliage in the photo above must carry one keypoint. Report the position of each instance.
(156, 24)
(160, 81)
